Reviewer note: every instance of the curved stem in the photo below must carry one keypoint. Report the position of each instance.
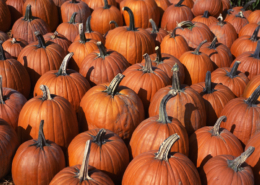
(55, 34)
(233, 71)
(88, 27)
(13, 40)
(114, 22)
(41, 40)
(186, 24)
(2, 53)
(148, 68)
(106, 6)
(240, 14)
(237, 162)
(257, 51)
(100, 137)
(247, 5)
(111, 89)
(82, 34)
(206, 14)
(176, 84)
(72, 18)
(158, 59)
(221, 20)
(28, 14)
(213, 43)
(254, 96)
(83, 173)
(102, 49)
(1, 91)
(131, 16)
(64, 64)
(164, 150)
(197, 51)
(208, 87)
(163, 117)
(155, 29)
(46, 93)
(254, 35)
(216, 128)
(41, 138)
(179, 3)
(173, 34)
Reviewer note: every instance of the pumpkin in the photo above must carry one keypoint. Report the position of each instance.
(188, 3)
(58, 4)
(245, 43)
(166, 62)
(226, 5)
(64, 82)
(162, 5)
(215, 97)
(8, 146)
(143, 10)
(82, 174)
(205, 18)
(93, 4)
(219, 54)
(249, 29)
(121, 40)
(187, 101)
(251, 86)
(194, 33)
(39, 58)
(246, 13)
(232, 78)
(162, 167)
(101, 17)
(224, 31)
(69, 29)
(81, 48)
(157, 34)
(254, 17)
(14, 75)
(111, 22)
(15, 8)
(243, 116)
(3, 36)
(174, 44)
(213, 7)
(5, 21)
(58, 39)
(233, 170)
(102, 65)
(196, 64)
(69, 7)
(56, 112)
(175, 14)
(25, 27)
(41, 156)
(14, 46)
(151, 132)
(89, 34)
(108, 153)
(237, 21)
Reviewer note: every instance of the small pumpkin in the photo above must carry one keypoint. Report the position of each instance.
(254, 17)
(251, 86)
(238, 21)
(205, 19)
(157, 33)
(15, 8)
(246, 12)
(213, 7)
(249, 29)
(5, 21)
(14, 46)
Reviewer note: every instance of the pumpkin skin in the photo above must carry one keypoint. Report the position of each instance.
(8, 146)
(226, 5)
(5, 21)
(249, 30)
(3, 36)
(15, 8)
(205, 19)
(120, 106)
(251, 86)
(243, 117)
(194, 33)
(215, 97)
(187, 101)
(151, 132)
(25, 27)
(235, 80)
(56, 112)
(108, 153)
(42, 156)
(121, 40)
(93, 4)
(188, 3)
(213, 7)
(45, 10)
(102, 65)
(64, 82)
(208, 142)
(157, 34)
(222, 164)
(175, 14)
(246, 13)
(237, 21)
(161, 167)
(14, 46)
(254, 17)
(174, 45)
(162, 5)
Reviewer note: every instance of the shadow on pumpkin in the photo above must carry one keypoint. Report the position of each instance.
(88, 76)
(82, 121)
(142, 93)
(24, 134)
(189, 108)
(34, 76)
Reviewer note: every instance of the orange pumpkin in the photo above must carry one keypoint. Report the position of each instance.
(237, 21)
(246, 13)
(251, 86)
(157, 34)
(249, 29)
(14, 46)
(93, 4)
(5, 21)
(15, 8)
(213, 7)
(188, 3)
(205, 19)
(254, 17)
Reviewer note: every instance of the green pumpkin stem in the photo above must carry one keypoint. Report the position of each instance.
(163, 117)
(64, 64)
(197, 51)
(208, 87)
(46, 93)
(28, 13)
(254, 37)
(158, 59)
(106, 6)
(237, 162)
(131, 16)
(102, 49)
(83, 173)
(155, 29)
(82, 36)
(114, 22)
(176, 84)
(111, 89)
(2, 53)
(100, 137)
(148, 67)
(206, 14)
(1, 91)
(41, 43)
(213, 43)
(257, 51)
(233, 71)
(247, 5)
(164, 150)
(88, 27)
(173, 34)
(215, 130)
(254, 96)
(72, 18)
(179, 3)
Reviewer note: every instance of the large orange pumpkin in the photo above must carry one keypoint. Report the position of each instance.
(93, 4)
(5, 21)
(214, 7)
(237, 21)
(254, 17)
(249, 29)
(205, 19)
(251, 86)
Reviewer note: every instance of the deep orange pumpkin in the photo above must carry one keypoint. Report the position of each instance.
(93, 4)
(251, 86)
(15, 8)
(188, 3)
(238, 21)
(5, 21)
(14, 46)
(162, 5)
(213, 7)
(157, 33)
(246, 13)
(249, 29)
(254, 17)
(205, 19)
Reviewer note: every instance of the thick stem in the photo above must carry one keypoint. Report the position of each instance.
(237, 162)
(208, 87)
(111, 89)
(72, 18)
(148, 68)
(247, 5)
(179, 3)
(46, 93)
(155, 29)
(13, 40)
(254, 35)
(2, 53)
(216, 128)
(257, 51)
(176, 84)
(240, 14)
(41, 138)
(221, 20)
(28, 14)
(131, 16)
(254, 96)
(197, 51)
(173, 34)
(186, 24)
(83, 173)
(206, 14)
(213, 43)
(106, 6)
(233, 71)
(102, 49)
(82, 34)
(64, 64)
(73, 1)
(1, 91)
(164, 150)
(163, 117)
(114, 22)
(158, 59)
(55, 34)
(100, 137)
(88, 27)
(41, 43)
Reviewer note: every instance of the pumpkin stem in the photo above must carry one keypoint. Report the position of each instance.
(240, 14)
(233, 71)
(88, 27)
(2, 53)
(197, 51)
(114, 22)
(73, 1)
(186, 24)
(216, 128)
(131, 15)
(155, 29)
(179, 3)
(237, 162)
(83, 173)
(213, 43)
(173, 34)
(148, 68)
(100, 137)
(102, 49)
(247, 5)
(41, 43)
(83, 39)
(28, 14)
(41, 142)
(254, 35)
(206, 14)
(158, 59)
(257, 51)
(111, 89)
(13, 40)
(1, 91)
(46, 93)
(163, 117)
(165, 147)
(229, 11)
(208, 87)
(106, 6)
(254, 96)
(72, 18)
(63, 66)
(221, 20)
(55, 34)
(176, 84)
